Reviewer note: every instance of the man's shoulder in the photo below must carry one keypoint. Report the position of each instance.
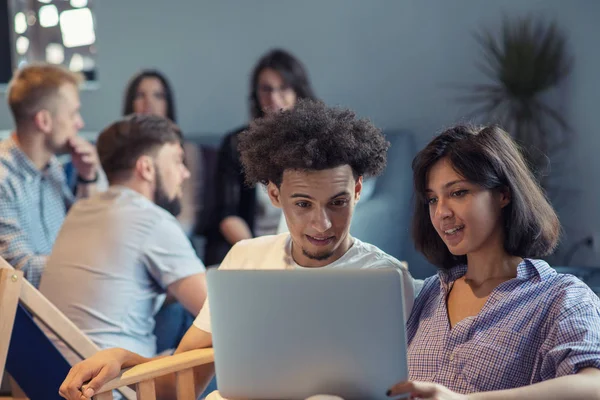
(125, 205)
(11, 181)
(266, 243)
(8, 165)
(371, 256)
(268, 252)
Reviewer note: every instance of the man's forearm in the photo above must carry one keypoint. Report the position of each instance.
(85, 190)
(235, 229)
(130, 359)
(584, 385)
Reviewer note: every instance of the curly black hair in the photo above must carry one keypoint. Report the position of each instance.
(311, 136)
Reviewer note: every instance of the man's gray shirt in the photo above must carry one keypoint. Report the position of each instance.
(113, 259)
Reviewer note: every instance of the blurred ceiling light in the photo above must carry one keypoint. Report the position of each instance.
(77, 27)
(31, 19)
(55, 53)
(76, 63)
(22, 44)
(79, 3)
(20, 23)
(48, 16)
(45, 1)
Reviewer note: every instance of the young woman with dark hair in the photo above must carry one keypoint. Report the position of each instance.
(495, 322)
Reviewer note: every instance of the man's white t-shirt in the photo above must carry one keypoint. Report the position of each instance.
(275, 252)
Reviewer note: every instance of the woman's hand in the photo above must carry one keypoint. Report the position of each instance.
(424, 390)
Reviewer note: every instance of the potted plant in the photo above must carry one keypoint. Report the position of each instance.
(523, 62)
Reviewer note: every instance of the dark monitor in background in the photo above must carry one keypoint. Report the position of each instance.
(54, 31)
(6, 52)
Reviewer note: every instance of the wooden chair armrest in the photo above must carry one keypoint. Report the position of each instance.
(160, 367)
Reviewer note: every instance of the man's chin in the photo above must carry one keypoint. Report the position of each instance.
(317, 256)
(316, 253)
(62, 150)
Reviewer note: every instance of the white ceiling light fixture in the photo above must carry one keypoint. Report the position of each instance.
(48, 16)
(55, 53)
(76, 64)
(79, 3)
(77, 27)
(20, 23)
(22, 45)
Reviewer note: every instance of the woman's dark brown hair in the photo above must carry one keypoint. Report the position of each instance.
(292, 72)
(132, 87)
(487, 157)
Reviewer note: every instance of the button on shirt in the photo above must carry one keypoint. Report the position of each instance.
(538, 326)
(33, 204)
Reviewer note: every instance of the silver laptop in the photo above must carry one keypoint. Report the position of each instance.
(290, 334)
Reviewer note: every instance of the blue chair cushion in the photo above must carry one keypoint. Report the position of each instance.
(33, 361)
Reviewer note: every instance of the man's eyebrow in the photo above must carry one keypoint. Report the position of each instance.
(297, 195)
(306, 196)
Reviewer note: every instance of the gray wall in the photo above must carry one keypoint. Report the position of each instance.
(390, 60)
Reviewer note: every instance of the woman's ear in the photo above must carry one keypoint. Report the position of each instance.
(505, 196)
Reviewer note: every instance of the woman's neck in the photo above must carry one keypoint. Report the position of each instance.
(483, 266)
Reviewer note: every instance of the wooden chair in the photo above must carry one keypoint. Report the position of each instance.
(22, 341)
(143, 375)
(25, 351)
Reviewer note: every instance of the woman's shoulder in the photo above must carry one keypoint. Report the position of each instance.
(235, 132)
(430, 286)
(230, 139)
(565, 292)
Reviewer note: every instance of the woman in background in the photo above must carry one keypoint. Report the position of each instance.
(277, 82)
(149, 92)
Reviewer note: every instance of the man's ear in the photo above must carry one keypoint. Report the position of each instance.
(274, 194)
(144, 168)
(358, 188)
(43, 121)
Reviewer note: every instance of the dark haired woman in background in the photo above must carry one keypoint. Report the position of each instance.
(277, 82)
(494, 323)
(149, 92)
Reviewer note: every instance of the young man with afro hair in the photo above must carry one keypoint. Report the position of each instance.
(312, 159)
